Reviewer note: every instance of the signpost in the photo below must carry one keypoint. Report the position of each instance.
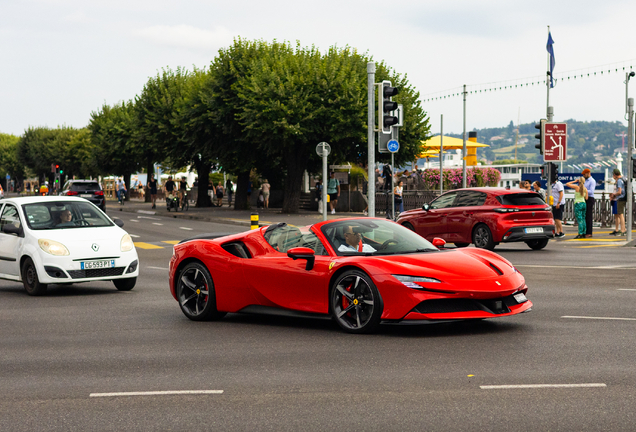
(323, 149)
(556, 140)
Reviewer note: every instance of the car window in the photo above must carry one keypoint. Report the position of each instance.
(311, 241)
(521, 199)
(10, 216)
(64, 215)
(444, 201)
(470, 199)
(283, 237)
(85, 186)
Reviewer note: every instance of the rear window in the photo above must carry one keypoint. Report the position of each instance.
(82, 187)
(521, 199)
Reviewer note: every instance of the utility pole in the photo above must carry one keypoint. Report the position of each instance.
(464, 153)
(441, 155)
(628, 186)
(371, 137)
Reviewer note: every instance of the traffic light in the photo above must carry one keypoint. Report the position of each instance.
(540, 136)
(61, 171)
(386, 106)
(544, 172)
(633, 176)
(554, 172)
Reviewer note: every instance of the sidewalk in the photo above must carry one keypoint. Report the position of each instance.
(226, 215)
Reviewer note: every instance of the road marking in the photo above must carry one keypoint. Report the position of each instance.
(626, 289)
(157, 268)
(589, 239)
(142, 245)
(534, 386)
(134, 220)
(133, 235)
(185, 228)
(156, 393)
(575, 267)
(147, 217)
(157, 223)
(150, 212)
(172, 242)
(600, 318)
(597, 246)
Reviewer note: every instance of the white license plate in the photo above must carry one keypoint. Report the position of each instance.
(520, 297)
(88, 265)
(86, 195)
(533, 230)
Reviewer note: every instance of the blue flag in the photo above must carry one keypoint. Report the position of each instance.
(550, 49)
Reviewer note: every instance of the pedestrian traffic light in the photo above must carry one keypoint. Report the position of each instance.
(554, 172)
(386, 106)
(544, 172)
(540, 136)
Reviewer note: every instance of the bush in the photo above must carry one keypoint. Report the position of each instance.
(475, 177)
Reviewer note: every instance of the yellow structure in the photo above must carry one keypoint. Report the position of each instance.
(432, 146)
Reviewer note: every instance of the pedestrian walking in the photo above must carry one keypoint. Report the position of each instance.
(152, 188)
(557, 207)
(121, 190)
(219, 194)
(397, 197)
(319, 195)
(580, 195)
(333, 189)
(537, 188)
(590, 185)
(619, 198)
(229, 191)
(265, 187)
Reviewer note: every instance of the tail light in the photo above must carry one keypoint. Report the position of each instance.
(72, 193)
(99, 193)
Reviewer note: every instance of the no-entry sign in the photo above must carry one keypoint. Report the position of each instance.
(556, 141)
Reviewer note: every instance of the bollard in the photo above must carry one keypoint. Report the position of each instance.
(254, 219)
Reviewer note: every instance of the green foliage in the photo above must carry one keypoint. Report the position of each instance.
(9, 163)
(509, 162)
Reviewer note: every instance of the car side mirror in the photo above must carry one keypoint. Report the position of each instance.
(425, 207)
(439, 242)
(12, 229)
(118, 222)
(303, 253)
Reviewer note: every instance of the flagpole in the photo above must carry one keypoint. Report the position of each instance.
(547, 83)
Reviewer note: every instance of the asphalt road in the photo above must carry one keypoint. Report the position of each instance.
(293, 374)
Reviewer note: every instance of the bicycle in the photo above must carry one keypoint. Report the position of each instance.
(185, 205)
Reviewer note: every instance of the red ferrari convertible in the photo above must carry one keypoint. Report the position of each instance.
(361, 272)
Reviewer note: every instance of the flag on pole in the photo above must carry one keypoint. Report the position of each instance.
(550, 49)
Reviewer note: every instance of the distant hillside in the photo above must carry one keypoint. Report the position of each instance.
(587, 141)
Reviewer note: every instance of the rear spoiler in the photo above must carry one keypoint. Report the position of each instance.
(206, 236)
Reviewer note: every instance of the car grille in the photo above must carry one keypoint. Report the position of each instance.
(494, 306)
(91, 273)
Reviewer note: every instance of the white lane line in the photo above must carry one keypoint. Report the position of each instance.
(133, 235)
(186, 228)
(626, 289)
(156, 393)
(134, 220)
(158, 268)
(575, 267)
(146, 212)
(157, 223)
(534, 386)
(147, 217)
(600, 318)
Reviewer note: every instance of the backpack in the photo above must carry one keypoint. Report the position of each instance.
(624, 190)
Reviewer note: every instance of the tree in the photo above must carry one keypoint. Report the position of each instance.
(9, 163)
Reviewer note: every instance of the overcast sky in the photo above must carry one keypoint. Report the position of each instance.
(62, 59)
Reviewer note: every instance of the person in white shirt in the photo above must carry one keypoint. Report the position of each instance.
(557, 208)
(354, 242)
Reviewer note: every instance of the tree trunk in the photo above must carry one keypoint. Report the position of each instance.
(296, 162)
(127, 182)
(150, 169)
(203, 170)
(240, 198)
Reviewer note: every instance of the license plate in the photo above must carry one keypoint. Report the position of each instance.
(520, 297)
(86, 195)
(534, 230)
(88, 265)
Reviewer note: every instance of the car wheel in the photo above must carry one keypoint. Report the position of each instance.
(482, 237)
(125, 284)
(409, 226)
(355, 302)
(537, 244)
(461, 245)
(30, 279)
(196, 295)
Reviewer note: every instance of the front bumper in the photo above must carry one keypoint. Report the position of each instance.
(460, 309)
(519, 233)
(60, 270)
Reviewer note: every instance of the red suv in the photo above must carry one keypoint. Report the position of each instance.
(485, 217)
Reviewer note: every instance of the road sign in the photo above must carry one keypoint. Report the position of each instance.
(393, 146)
(323, 147)
(556, 140)
(8, 177)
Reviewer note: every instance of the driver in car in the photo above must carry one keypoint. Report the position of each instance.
(354, 242)
(65, 217)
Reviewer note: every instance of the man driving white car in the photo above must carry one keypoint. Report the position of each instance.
(354, 242)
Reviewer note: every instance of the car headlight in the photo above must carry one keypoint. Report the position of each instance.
(126, 243)
(410, 281)
(52, 247)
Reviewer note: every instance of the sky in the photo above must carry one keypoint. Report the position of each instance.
(63, 59)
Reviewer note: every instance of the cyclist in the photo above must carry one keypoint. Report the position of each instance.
(183, 186)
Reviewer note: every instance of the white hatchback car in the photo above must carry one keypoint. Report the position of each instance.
(63, 240)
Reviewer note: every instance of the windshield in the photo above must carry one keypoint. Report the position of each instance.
(63, 215)
(521, 199)
(373, 237)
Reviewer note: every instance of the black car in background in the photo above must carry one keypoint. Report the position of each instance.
(88, 189)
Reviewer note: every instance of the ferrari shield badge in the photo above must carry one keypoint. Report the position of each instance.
(331, 264)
